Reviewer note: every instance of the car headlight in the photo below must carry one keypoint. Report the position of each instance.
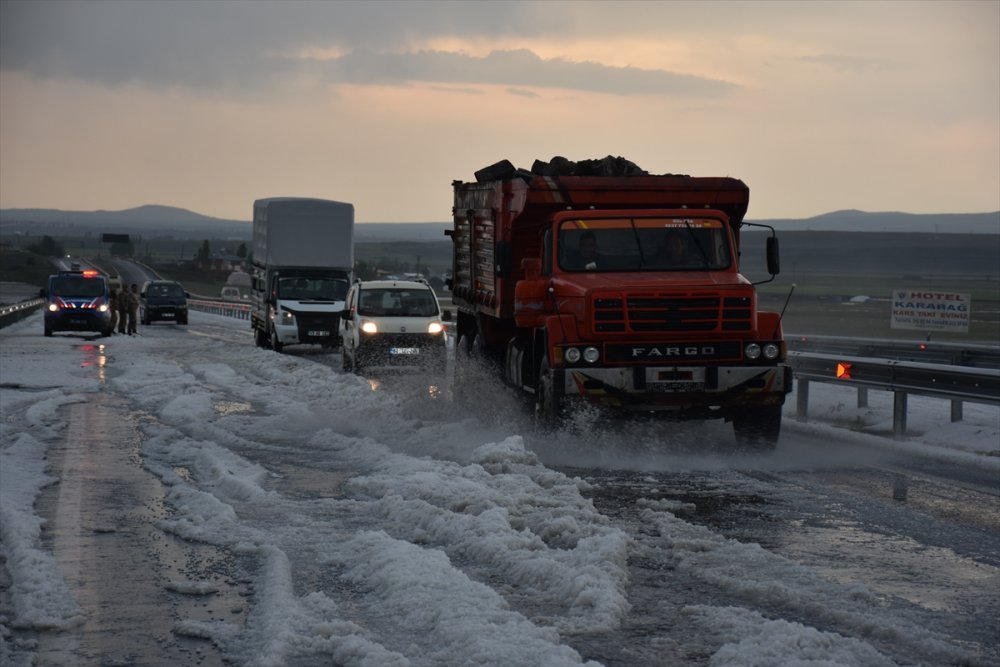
(752, 351)
(572, 355)
(103, 308)
(591, 355)
(53, 308)
(435, 328)
(369, 327)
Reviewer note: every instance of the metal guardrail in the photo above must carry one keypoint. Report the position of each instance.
(18, 311)
(932, 352)
(955, 383)
(237, 309)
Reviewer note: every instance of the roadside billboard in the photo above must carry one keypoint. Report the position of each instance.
(929, 310)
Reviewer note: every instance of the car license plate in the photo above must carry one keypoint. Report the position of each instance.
(78, 322)
(319, 333)
(168, 314)
(404, 350)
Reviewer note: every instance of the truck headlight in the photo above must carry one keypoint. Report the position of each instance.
(572, 355)
(369, 327)
(771, 351)
(752, 351)
(591, 355)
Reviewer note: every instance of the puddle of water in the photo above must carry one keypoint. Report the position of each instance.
(95, 358)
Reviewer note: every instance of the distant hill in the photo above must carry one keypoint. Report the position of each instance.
(861, 221)
(154, 221)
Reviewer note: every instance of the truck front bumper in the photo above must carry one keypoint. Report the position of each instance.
(675, 388)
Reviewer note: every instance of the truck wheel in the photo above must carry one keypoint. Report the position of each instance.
(548, 408)
(757, 428)
(275, 343)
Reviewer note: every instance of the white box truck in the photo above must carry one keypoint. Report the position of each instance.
(303, 260)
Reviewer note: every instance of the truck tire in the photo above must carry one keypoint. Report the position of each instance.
(548, 407)
(259, 338)
(275, 343)
(757, 428)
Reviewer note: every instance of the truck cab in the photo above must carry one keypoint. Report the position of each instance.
(620, 292)
(303, 307)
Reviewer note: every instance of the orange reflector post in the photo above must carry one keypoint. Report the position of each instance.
(843, 370)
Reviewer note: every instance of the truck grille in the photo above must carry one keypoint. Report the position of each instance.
(671, 312)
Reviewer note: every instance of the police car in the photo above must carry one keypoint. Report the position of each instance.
(77, 301)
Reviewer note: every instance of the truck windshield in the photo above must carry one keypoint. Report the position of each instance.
(77, 286)
(643, 244)
(312, 289)
(398, 302)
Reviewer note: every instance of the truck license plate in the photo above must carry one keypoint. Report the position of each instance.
(168, 314)
(671, 387)
(319, 333)
(404, 350)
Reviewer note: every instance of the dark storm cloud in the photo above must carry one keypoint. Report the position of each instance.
(249, 45)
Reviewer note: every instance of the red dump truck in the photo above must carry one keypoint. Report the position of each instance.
(595, 282)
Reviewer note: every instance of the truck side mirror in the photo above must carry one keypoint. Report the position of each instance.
(773, 261)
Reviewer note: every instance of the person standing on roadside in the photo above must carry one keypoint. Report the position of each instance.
(113, 307)
(122, 303)
(133, 308)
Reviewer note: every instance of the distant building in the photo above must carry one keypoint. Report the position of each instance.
(221, 262)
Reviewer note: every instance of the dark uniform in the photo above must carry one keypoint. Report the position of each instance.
(113, 307)
(133, 308)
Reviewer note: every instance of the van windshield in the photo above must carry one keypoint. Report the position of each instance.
(172, 291)
(644, 244)
(313, 289)
(77, 286)
(398, 302)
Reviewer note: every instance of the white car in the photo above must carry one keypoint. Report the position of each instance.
(393, 324)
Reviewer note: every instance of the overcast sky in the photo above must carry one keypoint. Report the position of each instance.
(209, 105)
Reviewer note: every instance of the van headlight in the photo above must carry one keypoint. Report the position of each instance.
(369, 327)
(435, 328)
(287, 318)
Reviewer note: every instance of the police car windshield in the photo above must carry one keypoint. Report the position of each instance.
(397, 301)
(77, 286)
